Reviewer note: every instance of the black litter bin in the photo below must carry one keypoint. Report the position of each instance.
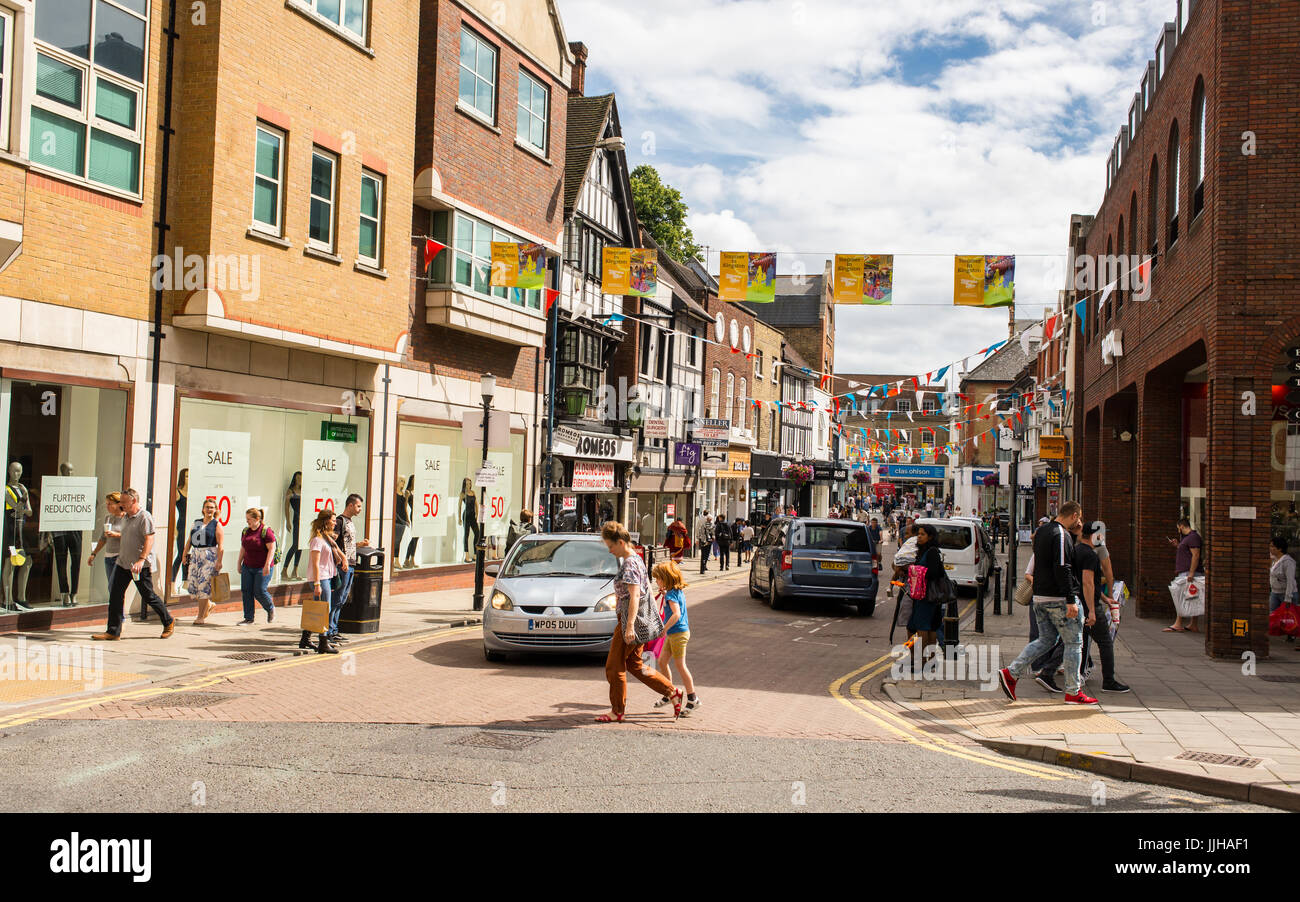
(360, 612)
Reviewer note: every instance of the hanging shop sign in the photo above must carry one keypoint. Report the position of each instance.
(711, 433)
(825, 471)
(471, 429)
(713, 459)
(218, 463)
(324, 482)
(592, 476)
(657, 427)
(68, 503)
(1053, 447)
(338, 432)
(737, 467)
(686, 454)
(434, 508)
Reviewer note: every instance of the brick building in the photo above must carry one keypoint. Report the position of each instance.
(1186, 404)
(728, 388)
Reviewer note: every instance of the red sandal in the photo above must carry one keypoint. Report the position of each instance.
(605, 718)
(677, 697)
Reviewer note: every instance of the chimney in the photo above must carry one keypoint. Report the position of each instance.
(579, 83)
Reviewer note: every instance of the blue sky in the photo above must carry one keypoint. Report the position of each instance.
(925, 129)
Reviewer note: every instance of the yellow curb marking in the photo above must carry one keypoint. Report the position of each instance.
(57, 708)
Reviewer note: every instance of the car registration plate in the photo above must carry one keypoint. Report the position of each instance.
(553, 625)
(832, 565)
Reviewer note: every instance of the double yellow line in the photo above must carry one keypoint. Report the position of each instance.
(906, 731)
(54, 709)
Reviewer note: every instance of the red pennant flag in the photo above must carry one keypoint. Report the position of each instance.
(431, 250)
(552, 295)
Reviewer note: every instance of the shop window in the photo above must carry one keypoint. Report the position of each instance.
(250, 455)
(64, 448)
(441, 503)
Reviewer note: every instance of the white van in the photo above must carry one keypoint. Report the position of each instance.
(966, 548)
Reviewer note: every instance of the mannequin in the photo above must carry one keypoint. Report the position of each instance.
(180, 564)
(67, 547)
(467, 510)
(18, 507)
(292, 517)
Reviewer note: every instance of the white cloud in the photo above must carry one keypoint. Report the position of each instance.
(790, 126)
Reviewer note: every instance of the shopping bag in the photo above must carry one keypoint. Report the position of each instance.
(221, 588)
(1025, 590)
(315, 615)
(1285, 620)
(916, 581)
(1188, 595)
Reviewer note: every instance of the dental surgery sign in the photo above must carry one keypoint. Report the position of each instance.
(324, 482)
(433, 509)
(68, 503)
(218, 463)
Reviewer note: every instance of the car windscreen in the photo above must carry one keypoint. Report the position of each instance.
(831, 538)
(561, 557)
(953, 538)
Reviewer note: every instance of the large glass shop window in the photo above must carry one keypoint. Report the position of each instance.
(290, 463)
(64, 447)
(436, 507)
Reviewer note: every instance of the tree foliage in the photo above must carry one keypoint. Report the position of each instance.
(660, 208)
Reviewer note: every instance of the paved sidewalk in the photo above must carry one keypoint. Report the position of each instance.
(1225, 728)
(43, 666)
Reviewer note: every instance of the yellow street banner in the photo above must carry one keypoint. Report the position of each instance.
(747, 277)
(629, 271)
(516, 265)
(848, 278)
(984, 281)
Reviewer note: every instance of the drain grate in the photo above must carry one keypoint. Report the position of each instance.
(252, 657)
(1218, 758)
(188, 700)
(1279, 678)
(484, 739)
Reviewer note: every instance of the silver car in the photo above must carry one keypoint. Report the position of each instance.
(554, 592)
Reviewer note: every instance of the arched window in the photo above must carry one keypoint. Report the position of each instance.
(1198, 148)
(1134, 251)
(742, 409)
(1172, 185)
(715, 385)
(1122, 267)
(1153, 210)
(729, 410)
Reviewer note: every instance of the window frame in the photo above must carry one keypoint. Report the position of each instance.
(1200, 108)
(335, 161)
(278, 229)
(529, 299)
(1173, 175)
(7, 19)
(524, 74)
(378, 218)
(715, 390)
(313, 6)
(472, 107)
(86, 115)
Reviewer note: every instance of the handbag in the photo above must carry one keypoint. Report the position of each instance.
(1284, 620)
(1025, 591)
(916, 581)
(220, 588)
(315, 615)
(655, 646)
(941, 591)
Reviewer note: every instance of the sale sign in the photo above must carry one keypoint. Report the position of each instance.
(324, 482)
(500, 498)
(68, 503)
(218, 464)
(591, 475)
(434, 509)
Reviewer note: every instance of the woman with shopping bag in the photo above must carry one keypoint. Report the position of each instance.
(203, 557)
(321, 569)
(1281, 584)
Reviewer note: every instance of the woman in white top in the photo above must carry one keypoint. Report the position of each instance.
(320, 570)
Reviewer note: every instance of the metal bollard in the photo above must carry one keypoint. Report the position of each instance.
(980, 592)
(997, 590)
(950, 618)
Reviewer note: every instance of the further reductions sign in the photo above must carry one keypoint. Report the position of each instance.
(219, 470)
(68, 503)
(433, 508)
(324, 482)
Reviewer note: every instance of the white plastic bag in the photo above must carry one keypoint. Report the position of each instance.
(1188, 603)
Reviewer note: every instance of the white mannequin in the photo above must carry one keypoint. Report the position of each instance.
(18, 507)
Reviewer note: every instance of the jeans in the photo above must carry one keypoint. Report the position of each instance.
(339, 599)
(704, 556)
(252, 581)
(1275, 600)
(1099, 633)
(117, 595)
(110, 564)
(1053, 622)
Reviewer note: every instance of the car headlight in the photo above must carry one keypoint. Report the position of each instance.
(607, 603)
(501, 601)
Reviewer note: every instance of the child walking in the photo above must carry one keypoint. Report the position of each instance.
(670, 583)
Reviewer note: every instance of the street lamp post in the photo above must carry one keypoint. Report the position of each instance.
(488, 388)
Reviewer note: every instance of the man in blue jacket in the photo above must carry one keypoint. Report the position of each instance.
(1056, 605)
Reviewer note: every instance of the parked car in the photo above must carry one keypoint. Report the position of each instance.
(554, 593)
(967, 550)
(812, 558)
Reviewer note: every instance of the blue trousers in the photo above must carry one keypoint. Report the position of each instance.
(339, 599)
(252, 581)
